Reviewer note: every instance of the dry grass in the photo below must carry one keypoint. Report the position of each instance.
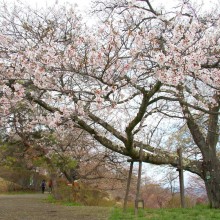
(7, 186)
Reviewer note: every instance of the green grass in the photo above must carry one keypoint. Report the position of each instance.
(72, 204)
(51, 199)
(197, 213)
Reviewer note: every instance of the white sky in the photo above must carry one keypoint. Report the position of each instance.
(84, 4)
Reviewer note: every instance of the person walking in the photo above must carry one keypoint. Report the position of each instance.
(50, 185)
(43, 185)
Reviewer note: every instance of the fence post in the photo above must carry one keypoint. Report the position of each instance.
(128, 186)
(139, 180)
(181, 177)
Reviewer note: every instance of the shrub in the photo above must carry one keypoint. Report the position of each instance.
(174, 202)
(84, 195)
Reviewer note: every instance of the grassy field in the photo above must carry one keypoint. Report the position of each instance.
(197, 213)
(200, 212)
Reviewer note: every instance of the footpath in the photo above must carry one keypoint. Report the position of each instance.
(35, 207)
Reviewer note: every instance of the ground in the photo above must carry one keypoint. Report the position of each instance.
(35, 207)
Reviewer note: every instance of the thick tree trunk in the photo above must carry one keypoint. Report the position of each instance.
(207, 144)
(211, 177)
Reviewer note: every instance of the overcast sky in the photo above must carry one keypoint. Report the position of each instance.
(39, 3)
(84, 4)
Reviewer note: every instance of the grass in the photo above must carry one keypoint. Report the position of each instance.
(200, 212)
(196, 213)
(51, 199)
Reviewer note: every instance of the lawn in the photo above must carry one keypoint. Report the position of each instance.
(200, 212)
(197, 213)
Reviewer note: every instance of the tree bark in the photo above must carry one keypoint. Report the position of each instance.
(211, 178)
(181, 178)
(207, 143)
(128, 186)
(138, 181)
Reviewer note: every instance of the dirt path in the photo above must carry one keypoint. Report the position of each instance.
(34, 207)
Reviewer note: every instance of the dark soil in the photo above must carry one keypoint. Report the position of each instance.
(35, 206)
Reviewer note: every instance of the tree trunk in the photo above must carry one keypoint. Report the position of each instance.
(181, 177)
(211, 177)
(128, 186)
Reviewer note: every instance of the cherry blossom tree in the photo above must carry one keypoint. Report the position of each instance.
(180, 49)
(136, 74)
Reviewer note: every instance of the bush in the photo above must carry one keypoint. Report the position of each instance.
(63, 192)
(7, 186)
(21, 177)
(174, 202)
(82, 195)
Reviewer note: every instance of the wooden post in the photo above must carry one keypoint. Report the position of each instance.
(138, 181)
(181, 177)
(128, 186)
